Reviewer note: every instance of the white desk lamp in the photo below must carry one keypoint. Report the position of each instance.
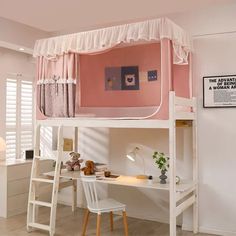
(2, 148)
(132, 156)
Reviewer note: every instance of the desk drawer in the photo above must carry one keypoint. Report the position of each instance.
(16, 187)
(18, 172)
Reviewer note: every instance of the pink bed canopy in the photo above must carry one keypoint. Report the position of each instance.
(58, 70)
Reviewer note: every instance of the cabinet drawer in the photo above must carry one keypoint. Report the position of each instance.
(18, 187)
(17, 202)
(18, 172)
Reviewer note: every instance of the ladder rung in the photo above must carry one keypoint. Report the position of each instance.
(40, 203)
(45, 158)
(51, 181)
(39, 226)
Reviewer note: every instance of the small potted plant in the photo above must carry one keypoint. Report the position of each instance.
(162, 162)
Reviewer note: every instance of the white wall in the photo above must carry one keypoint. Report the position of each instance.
(14, 35)
(208, 21)
(217, 137)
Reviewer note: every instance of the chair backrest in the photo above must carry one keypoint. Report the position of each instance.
(90, 191)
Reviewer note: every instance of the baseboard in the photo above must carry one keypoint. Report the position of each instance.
(207, 230)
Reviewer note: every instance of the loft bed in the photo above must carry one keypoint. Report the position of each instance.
(121, 72)
(74, 89)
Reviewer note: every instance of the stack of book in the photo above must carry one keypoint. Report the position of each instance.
(100, 168)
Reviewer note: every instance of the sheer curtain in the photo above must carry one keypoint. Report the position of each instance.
(56, 85)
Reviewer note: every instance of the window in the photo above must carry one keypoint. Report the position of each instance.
(19, 116)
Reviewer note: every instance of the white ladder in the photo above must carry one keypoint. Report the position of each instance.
(33, 203)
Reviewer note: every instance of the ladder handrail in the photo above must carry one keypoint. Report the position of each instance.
(56, 180)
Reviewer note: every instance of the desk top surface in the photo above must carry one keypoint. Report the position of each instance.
(129, 181)
(14, 162)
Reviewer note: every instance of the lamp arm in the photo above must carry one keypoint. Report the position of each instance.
(143, 161)
(144, 168)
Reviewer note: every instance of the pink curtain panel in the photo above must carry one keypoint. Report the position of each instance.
(56, 85)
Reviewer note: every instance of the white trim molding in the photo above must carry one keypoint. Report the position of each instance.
(208, 230)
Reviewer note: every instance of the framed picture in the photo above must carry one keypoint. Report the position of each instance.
(68, 145)
(129, 78)
(219, 91)
(152, 75)
(113, 78)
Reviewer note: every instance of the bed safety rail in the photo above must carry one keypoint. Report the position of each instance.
(188, 107)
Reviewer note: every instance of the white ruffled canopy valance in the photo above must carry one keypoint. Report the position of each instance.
(103, 39)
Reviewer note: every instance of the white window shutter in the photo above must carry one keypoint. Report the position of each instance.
(11, 114)
(11, 99)
(11, 145)
(26, 115)
(19, 116)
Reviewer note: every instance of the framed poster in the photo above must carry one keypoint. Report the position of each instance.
(219, 91)
(129, 78)
(113, 78)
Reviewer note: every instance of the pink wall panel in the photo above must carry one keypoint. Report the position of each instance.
(92, 77)
(181, 80)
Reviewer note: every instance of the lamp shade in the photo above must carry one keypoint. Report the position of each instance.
(132, 155)
(2, 144)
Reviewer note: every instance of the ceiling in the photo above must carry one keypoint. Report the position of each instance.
(59, 15)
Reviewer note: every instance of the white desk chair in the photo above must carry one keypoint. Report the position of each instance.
(100, 206)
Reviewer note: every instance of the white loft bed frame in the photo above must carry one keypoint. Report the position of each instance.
(179, 200)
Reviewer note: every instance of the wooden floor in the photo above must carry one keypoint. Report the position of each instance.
(70, 224)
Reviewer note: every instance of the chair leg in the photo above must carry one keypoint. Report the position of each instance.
(98, 224)
(111, 220)
(125, 223)
(86, 217)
